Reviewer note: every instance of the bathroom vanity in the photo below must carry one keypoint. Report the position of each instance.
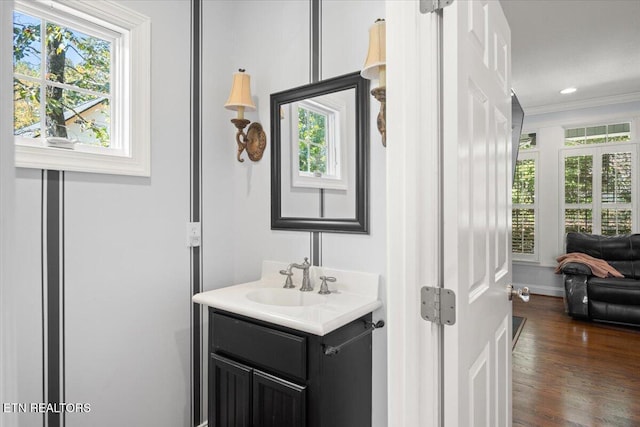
(265, 375)
(281, 357)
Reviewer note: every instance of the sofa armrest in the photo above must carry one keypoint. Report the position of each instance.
(576, 268)
(576, 299)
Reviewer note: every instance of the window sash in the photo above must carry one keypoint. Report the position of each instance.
(523, 238)
(608, 133)
(335, 176)
(332, 168)
(523, 242)
(597, 205)
(130, 103)
(70, 18)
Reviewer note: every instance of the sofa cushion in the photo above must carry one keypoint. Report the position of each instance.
(629, 269)
(628, 314)
(614, 290)
(622, 252)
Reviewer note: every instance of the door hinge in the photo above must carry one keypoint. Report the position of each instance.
(438, 305)
(428, 6)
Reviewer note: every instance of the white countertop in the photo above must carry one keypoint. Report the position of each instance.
(353, 295)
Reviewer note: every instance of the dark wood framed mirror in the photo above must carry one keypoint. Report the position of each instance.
(320, 156)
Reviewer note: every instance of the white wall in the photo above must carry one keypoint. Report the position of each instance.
(127, 293)
(345, 40)
(126, 284)
(127, 281)
(8, 333)
(274, 49)
(539, 275)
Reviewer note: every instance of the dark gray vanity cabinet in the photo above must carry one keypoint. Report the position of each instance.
(229, 392)
(264, 375)
(243, 396)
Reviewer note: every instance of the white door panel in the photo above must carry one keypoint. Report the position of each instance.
(477, 152)
(475, 174)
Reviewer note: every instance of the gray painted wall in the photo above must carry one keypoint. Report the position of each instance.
(127, 278)
(127, 290)
(8, 323)
(127, 266)
(274, 49)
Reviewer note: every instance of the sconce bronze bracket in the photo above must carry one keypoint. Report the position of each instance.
(254, 141)
(380, 93)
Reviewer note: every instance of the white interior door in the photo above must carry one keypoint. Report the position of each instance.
(475, 178)
(477, 189)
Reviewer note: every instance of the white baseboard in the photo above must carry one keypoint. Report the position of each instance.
(204, 424)
(552, 291)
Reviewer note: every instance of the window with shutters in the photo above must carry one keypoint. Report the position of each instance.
(599, 180)
(524, 204)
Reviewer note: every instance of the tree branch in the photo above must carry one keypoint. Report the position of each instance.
(77, 51)
(75, 113)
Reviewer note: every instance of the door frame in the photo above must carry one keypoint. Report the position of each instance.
(413, 222)
(414, 214)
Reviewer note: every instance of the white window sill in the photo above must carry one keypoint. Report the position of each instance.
(83, 159)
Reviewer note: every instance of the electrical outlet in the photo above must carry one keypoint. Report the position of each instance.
(194, 234)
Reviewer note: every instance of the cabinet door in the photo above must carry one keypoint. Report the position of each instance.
(229, 393)
(277, 403)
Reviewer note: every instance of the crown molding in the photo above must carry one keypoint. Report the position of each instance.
(585, 103)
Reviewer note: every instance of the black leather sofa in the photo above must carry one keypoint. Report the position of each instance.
(609, 299)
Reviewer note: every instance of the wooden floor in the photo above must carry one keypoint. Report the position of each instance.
(573, 373)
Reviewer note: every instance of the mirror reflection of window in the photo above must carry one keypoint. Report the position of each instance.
(316, 140)
(336, 108)
(318, 156)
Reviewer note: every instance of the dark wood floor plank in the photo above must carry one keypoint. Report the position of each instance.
(574, 373)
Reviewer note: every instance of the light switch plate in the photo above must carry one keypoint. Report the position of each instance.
(194, 234)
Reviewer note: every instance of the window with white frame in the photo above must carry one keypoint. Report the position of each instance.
(76, 106)
(318, 152)
(524, 211)
(599, 175)
(316, 136)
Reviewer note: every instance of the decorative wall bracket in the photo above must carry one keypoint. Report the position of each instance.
(375, 67)
(254, 141)
(380, 93)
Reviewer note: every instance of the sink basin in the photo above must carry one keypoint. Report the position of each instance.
(285, 297)
(354, 295)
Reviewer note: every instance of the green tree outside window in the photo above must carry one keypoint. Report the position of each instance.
(76, 75)
(312, 137)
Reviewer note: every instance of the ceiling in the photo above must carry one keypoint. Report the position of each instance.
(593, 45)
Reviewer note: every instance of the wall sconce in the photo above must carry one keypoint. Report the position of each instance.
(255, 140)
(375, 67)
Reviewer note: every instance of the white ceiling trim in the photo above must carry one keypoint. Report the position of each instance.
(585, 103)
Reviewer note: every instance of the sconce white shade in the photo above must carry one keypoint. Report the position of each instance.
(377, 56)
(240, 95)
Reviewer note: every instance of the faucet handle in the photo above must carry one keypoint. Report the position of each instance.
(306, 261)
(324, 289)
(288, 283)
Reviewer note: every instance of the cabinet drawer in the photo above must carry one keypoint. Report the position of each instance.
(270, 349)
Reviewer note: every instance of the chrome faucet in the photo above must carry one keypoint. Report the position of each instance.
(306, 282)
(324, 288)
(288, 283)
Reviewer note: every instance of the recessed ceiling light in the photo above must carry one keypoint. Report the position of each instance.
(568, 90)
